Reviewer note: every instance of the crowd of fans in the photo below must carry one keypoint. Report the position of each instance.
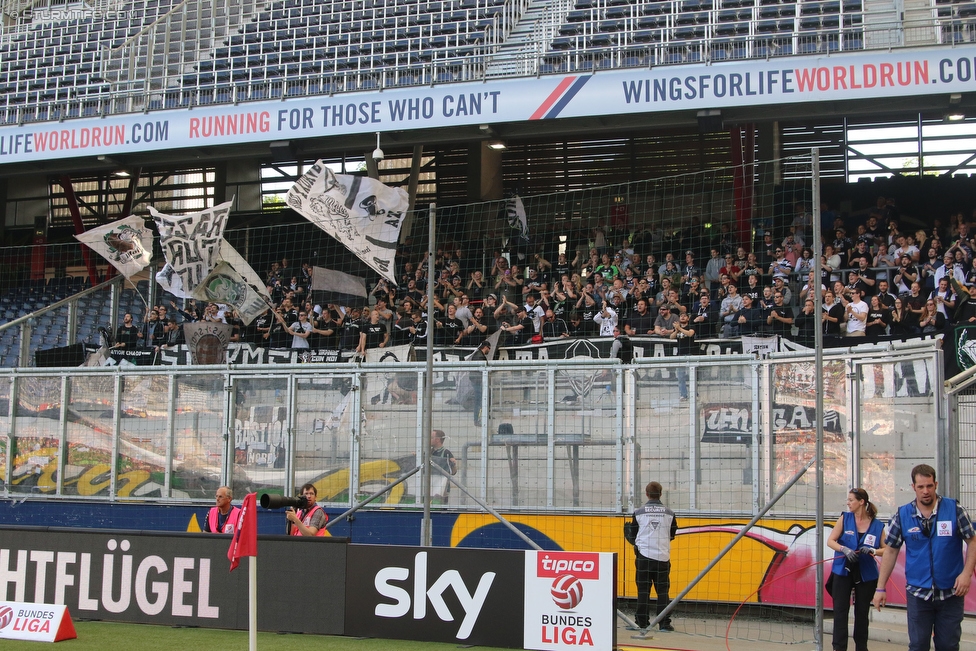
(878, 279)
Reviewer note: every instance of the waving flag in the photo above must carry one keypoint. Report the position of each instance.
(233, 282)
(191, 246)
(245, 540)
(515, 212)
(332, 286)
(360, 212)
(126, 244)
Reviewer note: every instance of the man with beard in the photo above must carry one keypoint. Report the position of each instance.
(640, 322)
(932, 529)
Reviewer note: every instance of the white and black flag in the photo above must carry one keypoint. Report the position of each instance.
(126, 244)
(515, 212)
(362, 213)
(191, 246)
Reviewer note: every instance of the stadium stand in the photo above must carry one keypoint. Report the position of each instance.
(142, 55)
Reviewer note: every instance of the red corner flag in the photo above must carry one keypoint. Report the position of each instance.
(245, 540)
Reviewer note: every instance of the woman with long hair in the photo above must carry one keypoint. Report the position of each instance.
(857, 538)
(932, 320)
(899, 323)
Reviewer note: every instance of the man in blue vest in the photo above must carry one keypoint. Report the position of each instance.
(932, 528)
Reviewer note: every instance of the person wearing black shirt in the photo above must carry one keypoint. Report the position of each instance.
(577, 327)
(842, 246)
(280, 335)
(914, 308)
(965, 305)
(520, 330)
(641, 322)
(750, 318)
(373, 335)
(349, 329)
(449, 329)
(325, 331)
(806, 323)
(127, 335)
(833, 315)
(153, 332)
(554, 327)
(780, 318)
(704, 315)
(887, 298)
(854, 281)
(477, 329)
(878, 319)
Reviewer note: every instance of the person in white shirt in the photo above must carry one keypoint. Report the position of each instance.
(300, 331)
(656, 527)
(607, 318)
(534, 312)
(857, 313)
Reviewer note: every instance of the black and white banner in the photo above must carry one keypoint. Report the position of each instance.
(191, 246)
(362, 213)
(732, 422)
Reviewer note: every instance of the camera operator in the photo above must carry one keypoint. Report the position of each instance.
(309, 521)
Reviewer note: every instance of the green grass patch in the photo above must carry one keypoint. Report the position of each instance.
(110, 636)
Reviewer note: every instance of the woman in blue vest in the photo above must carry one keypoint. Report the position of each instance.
(856, 539)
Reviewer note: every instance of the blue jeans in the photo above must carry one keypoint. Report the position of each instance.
(682, 373)
(941, 618)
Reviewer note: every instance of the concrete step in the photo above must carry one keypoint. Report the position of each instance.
(890, 625)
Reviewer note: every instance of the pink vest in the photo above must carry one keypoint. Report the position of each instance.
(307, 521)
(229, 525)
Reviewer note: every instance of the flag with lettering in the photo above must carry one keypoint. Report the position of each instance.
(191, 246)
(245, 540)
(126, 244)
(362, 213)
(233, 282)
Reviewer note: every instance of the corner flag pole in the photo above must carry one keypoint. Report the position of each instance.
(252, 603)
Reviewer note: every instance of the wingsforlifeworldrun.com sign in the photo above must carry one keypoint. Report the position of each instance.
(748, 83)
(35, 622)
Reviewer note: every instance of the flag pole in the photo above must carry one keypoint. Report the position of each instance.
(426, 537)
(252, 603)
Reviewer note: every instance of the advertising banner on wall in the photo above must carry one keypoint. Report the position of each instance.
(469, 596)
(175, 579)
(842, 76)
(570, 600)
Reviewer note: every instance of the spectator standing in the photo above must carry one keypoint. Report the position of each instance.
(684, 335)
(127, 335)
(749, 320)
(806, 324)
(834, 314)
(607, 320)
(856, 311)
(780, 318)
(879, 316)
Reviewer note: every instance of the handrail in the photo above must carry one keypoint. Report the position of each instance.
(65, 301)
(148, 27)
